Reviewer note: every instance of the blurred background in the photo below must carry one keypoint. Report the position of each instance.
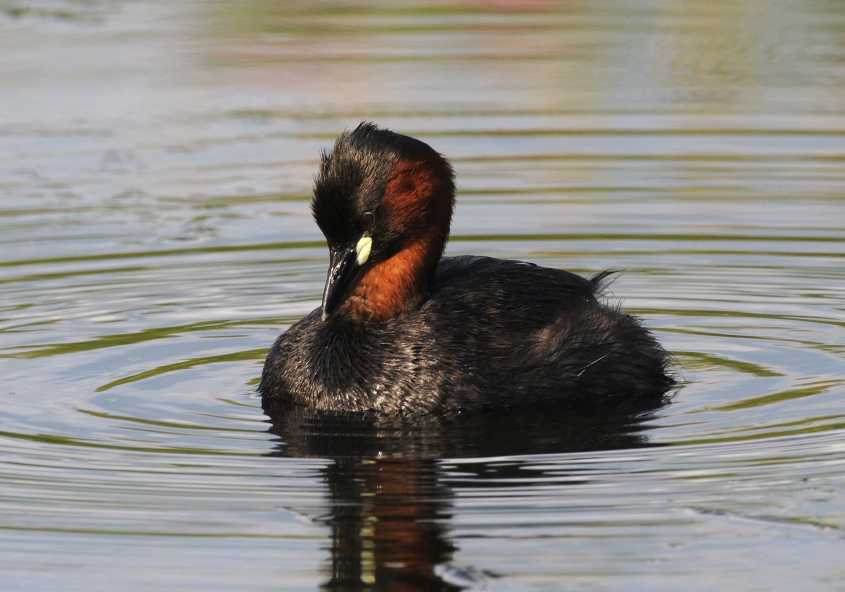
(156, 161)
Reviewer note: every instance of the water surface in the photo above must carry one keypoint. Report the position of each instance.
(155, 168)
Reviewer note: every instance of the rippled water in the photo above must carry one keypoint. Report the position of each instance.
(155, 166)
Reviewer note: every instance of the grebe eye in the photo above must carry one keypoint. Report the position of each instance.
(368, 219)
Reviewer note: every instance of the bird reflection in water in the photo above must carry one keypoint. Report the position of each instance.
(389, 522)
(390, 504)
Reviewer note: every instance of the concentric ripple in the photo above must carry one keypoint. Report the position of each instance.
(156, 238)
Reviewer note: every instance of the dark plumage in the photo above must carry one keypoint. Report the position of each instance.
(405, 333)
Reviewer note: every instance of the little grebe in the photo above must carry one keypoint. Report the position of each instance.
(403, 332)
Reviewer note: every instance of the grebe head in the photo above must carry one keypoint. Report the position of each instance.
(384, 203)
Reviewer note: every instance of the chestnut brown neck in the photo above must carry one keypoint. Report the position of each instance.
(418, 202)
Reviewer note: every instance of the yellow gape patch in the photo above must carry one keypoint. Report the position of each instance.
(363, 248)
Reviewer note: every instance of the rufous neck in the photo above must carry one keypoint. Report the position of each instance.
(395, 285)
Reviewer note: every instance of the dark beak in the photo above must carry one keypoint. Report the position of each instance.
(343, 272)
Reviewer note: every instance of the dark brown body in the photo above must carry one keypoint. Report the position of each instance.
(492, 335)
